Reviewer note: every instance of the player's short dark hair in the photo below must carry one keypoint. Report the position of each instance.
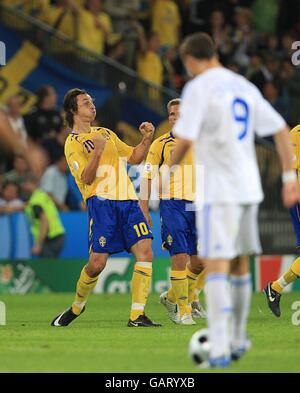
(70, 105)
(198, 45)
(175, 101)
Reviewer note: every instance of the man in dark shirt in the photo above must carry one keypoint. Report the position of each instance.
(44, 119)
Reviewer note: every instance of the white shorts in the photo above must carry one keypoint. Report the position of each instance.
(227, 231)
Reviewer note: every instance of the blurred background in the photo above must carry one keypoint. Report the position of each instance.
(125, 54)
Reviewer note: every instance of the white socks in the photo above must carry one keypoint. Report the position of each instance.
(219, 308)
(241, 299)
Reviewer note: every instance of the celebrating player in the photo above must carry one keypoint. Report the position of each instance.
(219, 113)
(274, 290)
(178, 224)
(115, 219)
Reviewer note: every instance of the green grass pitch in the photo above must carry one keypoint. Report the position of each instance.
(100, 341)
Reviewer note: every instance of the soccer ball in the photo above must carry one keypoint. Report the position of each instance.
(199, 347)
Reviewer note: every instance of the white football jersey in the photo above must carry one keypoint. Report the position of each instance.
(221, 112)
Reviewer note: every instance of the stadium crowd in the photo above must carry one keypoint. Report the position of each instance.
(254, 38)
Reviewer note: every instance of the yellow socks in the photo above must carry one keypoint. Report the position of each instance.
(196, 284)
(140, 286)
(192, 279)
(291, 275)
(200, 282)
(179, 284)
(85, 284)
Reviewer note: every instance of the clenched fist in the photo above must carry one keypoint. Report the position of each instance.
(147, 129)
(99, 143)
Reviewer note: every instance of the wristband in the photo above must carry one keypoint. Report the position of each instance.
(289, 176)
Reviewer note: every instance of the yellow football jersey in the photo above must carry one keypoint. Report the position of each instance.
(112, 181)
(295, 138)
(182, 181)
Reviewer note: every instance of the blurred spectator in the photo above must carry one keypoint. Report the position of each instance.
(220, 33)
(166, 22)
(54, 145)
(61, 17)
(272, 93)
(44, 119)
(15, 117)
(94, 26)
(149, 66)
(243, 37)
(255, 65)
(54, 182)
(132, 33)
(169, 74)
(45, 224)
(199, 11)
(290, 76)
(266, 73)
(19, 172)
(10, 201)
(120, 11)
(286, 45)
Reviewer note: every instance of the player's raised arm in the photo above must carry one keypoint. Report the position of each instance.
(141, 150)
(291, 188)
(33, 154)
(89, 173)
(145, 192)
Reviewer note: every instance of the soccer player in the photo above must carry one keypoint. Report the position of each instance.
(219, 113)
(178, 224)
(116, 221)
(273, 290)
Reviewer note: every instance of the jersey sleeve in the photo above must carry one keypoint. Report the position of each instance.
(124, 150)
(267, 121)
(192, 112)
(75, 158)
(152, 161)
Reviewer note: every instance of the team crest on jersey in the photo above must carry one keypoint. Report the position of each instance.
(169, 240)
(102, 241)
(148, 167)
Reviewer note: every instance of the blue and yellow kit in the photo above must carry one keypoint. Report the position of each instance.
(178, 221)
(295, 210)
(115, 219)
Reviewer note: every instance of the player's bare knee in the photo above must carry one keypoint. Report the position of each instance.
(196, 264)
(143, 251)
(96, 264)
(179, 261)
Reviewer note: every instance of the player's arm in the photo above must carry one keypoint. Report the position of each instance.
(290, 190)
(149, 173)
(44, 226)
(33, 154)
(141, 150)
(145, 192)
(89, 172)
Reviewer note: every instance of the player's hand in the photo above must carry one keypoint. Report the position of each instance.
(147, 129)
(291, 193)
(99, 143)
(36, 249)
